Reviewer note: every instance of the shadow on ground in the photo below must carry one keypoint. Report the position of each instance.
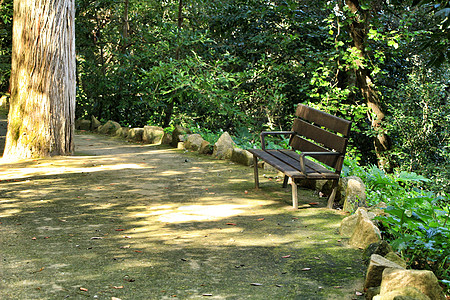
(138, 221)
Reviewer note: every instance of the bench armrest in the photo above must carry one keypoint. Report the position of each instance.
(264, 133)
(303, 154)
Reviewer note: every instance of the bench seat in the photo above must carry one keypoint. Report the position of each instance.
(315, 134)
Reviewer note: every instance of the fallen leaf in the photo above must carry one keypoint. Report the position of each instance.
(286, 256)
(232, 224)
(125, 247)
(314, 203)
(40, 270)
(138, 251)
(33, 238)
(260, 219)
(120, 229)
(118, 287)
(338, 287)
(83, 289)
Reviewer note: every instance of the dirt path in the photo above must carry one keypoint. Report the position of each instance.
(130, 221)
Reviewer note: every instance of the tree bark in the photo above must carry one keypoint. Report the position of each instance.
(42, 106)
(358, 33)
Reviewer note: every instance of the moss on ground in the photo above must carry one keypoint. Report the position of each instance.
(145, 222)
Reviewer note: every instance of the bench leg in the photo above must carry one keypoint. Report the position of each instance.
(334, 188)
(294, 193)
(255, 165)
(285, 181)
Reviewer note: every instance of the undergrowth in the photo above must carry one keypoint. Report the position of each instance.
(416, 222)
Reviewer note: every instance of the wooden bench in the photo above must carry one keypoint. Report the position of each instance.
(314, 134)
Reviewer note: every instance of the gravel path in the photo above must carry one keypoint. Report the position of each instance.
(130, 221)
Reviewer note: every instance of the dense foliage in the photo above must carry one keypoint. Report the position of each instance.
(415, 222)
(242, 66)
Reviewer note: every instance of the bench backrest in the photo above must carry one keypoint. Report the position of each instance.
(317, 131)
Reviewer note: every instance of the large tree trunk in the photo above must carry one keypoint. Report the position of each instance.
(358, 32)
(41, 116)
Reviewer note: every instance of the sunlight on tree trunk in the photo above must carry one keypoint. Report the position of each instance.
(358, 32)
(42, 106)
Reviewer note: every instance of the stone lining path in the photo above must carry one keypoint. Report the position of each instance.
(131, 221)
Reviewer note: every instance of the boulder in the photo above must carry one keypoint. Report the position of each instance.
(381, 248)
(405, 293)
(223, 148)
(326, 187)
(375, 270)
(423, 280)
(348, 224)
(123, 132)
(95, 124)
(166, 139)
(355, 194)
(109, 127)
(392, 256)
(242, 157)
(372, 292)
(206, 148)
(83, 125)
(193, 142)
(178, 135)
(4, 101)
(135, 134)
(365, 232)
(153, 134)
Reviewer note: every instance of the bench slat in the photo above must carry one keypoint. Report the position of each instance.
(290, 159)
(299, 143)
(314, 167)
(279, 165)
(326, 138)
(323, 119)
(284, 161)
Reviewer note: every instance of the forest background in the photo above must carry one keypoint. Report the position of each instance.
(242, 66)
